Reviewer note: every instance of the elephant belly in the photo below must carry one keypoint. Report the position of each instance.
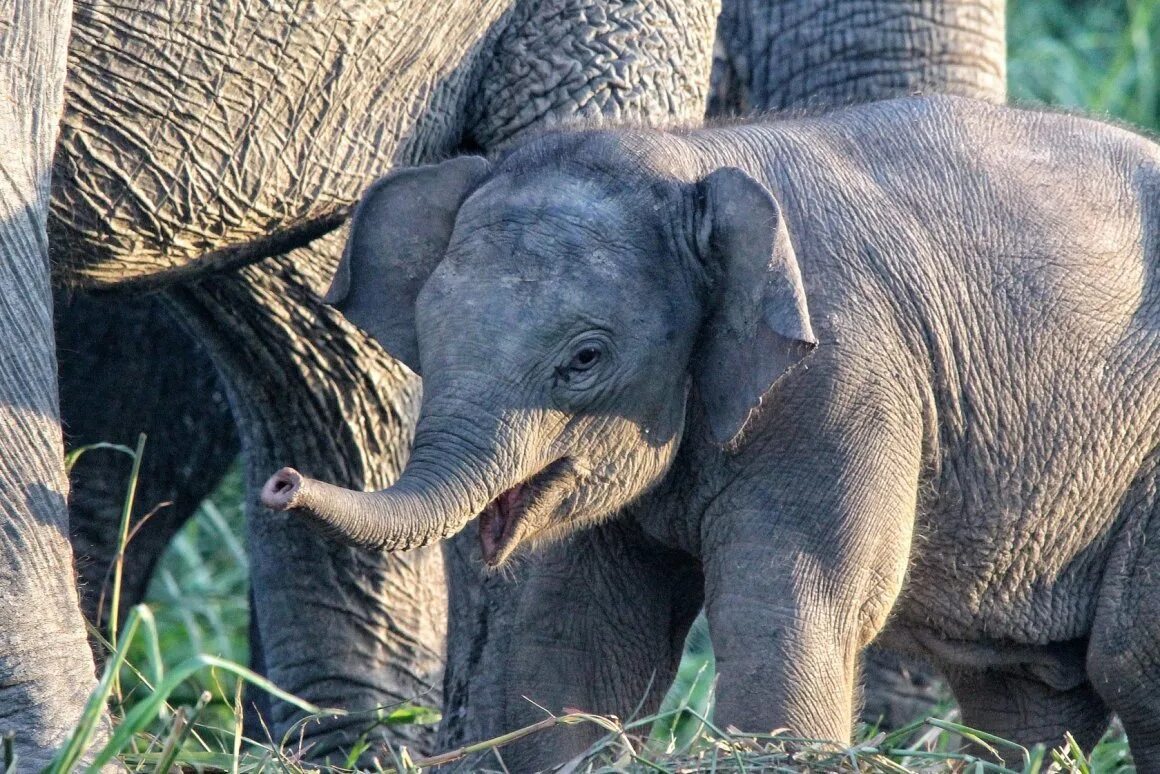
(1037, 469)
(1058, 664)
(1020, 562)
(215, 133)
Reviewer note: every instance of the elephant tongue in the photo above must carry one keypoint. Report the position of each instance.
(497, 522)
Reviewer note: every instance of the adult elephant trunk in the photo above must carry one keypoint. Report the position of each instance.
(439, 491)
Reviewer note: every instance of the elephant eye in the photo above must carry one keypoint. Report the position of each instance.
(585, 357)
(581, 369)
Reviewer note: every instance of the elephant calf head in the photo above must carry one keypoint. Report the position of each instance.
(558, 305)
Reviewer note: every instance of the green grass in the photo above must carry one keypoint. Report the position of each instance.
(1099, 57)
(175, 681)
(200, 600)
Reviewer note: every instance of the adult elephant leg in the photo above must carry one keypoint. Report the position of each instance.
(783, 54)
(127, 368)
(481, 614)
(337, 626)
(46, 669)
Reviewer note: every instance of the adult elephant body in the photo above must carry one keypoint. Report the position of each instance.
(208, 135)
(201, 143)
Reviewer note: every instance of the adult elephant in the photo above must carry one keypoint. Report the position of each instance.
(202, 142)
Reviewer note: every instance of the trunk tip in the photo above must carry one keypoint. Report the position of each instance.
(281, 490)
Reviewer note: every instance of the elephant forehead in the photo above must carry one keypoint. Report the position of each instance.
(544, 233)
(528, 290)
(500, 292)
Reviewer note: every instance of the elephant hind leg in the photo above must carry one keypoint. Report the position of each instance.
(1123, 659)
(1026, 710)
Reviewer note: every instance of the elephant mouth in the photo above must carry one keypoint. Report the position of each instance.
(520, 512)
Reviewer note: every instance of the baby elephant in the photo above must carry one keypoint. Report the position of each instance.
(891, 373)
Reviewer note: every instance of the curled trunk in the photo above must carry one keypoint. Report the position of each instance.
(414, 512)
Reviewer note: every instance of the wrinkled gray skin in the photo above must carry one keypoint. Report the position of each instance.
(169, 379)
(899, 47)
(184, 459)
(199, 144)
(42, 689)
(890, 373)
(130, 138)
(761, 64)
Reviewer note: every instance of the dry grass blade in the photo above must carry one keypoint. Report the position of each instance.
(489, 744)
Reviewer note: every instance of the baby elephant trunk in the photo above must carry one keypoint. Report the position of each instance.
(408, 515)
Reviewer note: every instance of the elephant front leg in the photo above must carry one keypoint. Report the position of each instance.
(805, 553)
(786, 652)
(600, 626)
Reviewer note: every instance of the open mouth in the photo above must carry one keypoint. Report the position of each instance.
(504, 522)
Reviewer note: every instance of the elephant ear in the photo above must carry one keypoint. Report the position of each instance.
(758, 326)
(398, 234)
